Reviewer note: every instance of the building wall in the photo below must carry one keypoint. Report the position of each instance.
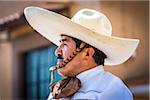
(21, 46)
(130, 19)
(5, 70)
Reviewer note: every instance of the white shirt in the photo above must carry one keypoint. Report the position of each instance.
(100, 85)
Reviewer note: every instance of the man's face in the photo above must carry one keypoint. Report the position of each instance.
(81, 62)
(66, 48)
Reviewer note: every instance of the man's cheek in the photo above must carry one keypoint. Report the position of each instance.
(65, 49)
(66, 53)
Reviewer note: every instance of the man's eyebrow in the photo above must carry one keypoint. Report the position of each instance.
(62, 40)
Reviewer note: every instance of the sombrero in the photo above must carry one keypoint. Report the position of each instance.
(87, 25)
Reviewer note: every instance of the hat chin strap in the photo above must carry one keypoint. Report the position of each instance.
(53, 68)
(64, 84)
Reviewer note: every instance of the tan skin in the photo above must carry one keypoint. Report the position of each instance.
(80, 63)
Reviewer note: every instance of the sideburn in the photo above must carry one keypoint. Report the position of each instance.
(78, 42)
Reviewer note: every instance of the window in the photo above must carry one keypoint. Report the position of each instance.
(37, 72)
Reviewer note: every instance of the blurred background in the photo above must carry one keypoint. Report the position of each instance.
(25, 56)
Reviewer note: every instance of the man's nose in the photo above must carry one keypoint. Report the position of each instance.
(58, 51)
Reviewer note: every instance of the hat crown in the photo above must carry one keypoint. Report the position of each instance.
(93, 20)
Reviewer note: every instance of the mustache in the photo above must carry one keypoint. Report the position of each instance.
(60, 57)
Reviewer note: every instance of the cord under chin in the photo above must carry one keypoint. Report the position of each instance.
(53, 68)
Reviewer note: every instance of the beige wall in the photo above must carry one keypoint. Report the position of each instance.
(5, 70)
(130, 19)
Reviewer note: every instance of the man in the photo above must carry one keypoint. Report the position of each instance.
(85, 45)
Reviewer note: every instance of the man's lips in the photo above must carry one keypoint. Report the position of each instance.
(59, 61)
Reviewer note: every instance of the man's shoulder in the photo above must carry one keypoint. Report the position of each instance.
(110, 80)
(118, 86)
(114, 81)
(107, 83)
(100, 82)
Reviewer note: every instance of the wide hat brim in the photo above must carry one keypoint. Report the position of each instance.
(51, 25)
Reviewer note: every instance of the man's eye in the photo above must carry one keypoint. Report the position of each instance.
(65, 44)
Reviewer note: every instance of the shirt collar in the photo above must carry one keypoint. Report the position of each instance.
(87, 75)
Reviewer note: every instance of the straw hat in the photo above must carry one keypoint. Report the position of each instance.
(87, 25)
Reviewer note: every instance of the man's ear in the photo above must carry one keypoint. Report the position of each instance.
(89, 53)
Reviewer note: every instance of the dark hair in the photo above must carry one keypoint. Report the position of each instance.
(98, 56)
